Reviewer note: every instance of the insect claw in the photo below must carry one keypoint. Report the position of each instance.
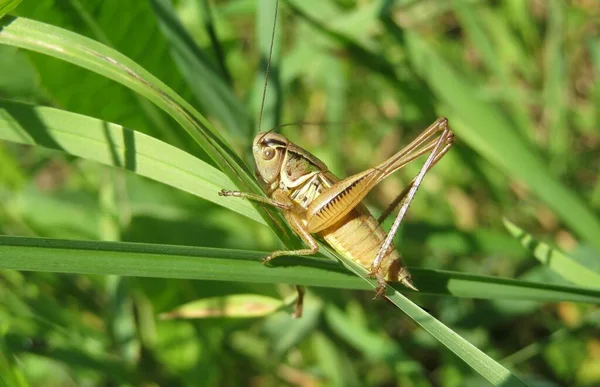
(379, 291)
(381, 286)
(266, 259)
(373, 272)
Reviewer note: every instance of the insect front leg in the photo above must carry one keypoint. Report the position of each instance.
(381, 285)
(283, 202)
(257, 198)
(295, 222)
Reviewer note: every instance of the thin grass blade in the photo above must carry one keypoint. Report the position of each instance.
(200, 263)
(89, 54)
(558, 262)
(114, 145)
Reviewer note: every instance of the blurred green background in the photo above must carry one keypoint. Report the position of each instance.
(518, 81)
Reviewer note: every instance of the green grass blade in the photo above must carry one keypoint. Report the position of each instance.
(89, 54)
(8, 5)
(558, 262)
(556, 86)
(487, 367)
(168, 261)
(209, 22)
(491, 370)
(477, 22)
(164, 261)
(456, 284)
(114, 145)
(138, 37)
(231, 306)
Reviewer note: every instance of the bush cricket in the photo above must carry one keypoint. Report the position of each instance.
(314, 201)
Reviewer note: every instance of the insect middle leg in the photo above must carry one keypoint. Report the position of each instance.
(282, 202)
(300, 229)
(287, 207)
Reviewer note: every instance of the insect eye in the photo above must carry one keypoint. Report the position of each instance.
(268, 153)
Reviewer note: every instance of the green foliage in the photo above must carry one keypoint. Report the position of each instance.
(121, 121)
(8, 5)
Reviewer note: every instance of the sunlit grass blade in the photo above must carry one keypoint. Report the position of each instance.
(91, 55)
(557, 261)
(450, 283)
(165, 261)
(168, 261)
(232, 306)
(491, 370)
(114, 145)
(8, 5)
(64, 85)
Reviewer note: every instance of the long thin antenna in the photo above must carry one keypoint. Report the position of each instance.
(262, 103)
(303, 123)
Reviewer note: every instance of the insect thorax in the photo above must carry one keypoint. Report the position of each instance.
(302, 179)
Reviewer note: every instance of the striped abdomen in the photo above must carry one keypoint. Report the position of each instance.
(359, 237)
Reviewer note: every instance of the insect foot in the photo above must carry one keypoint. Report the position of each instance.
(381, 286)
(299, 302)
(225, 192)
(373, 272)
(266, 259)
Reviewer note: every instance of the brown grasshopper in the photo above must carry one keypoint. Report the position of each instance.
(314, 201)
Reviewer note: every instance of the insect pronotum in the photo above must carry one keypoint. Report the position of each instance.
(314, 201)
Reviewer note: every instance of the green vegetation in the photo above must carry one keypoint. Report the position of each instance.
(120, 122)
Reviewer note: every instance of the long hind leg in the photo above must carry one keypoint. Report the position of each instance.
(406, 196)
